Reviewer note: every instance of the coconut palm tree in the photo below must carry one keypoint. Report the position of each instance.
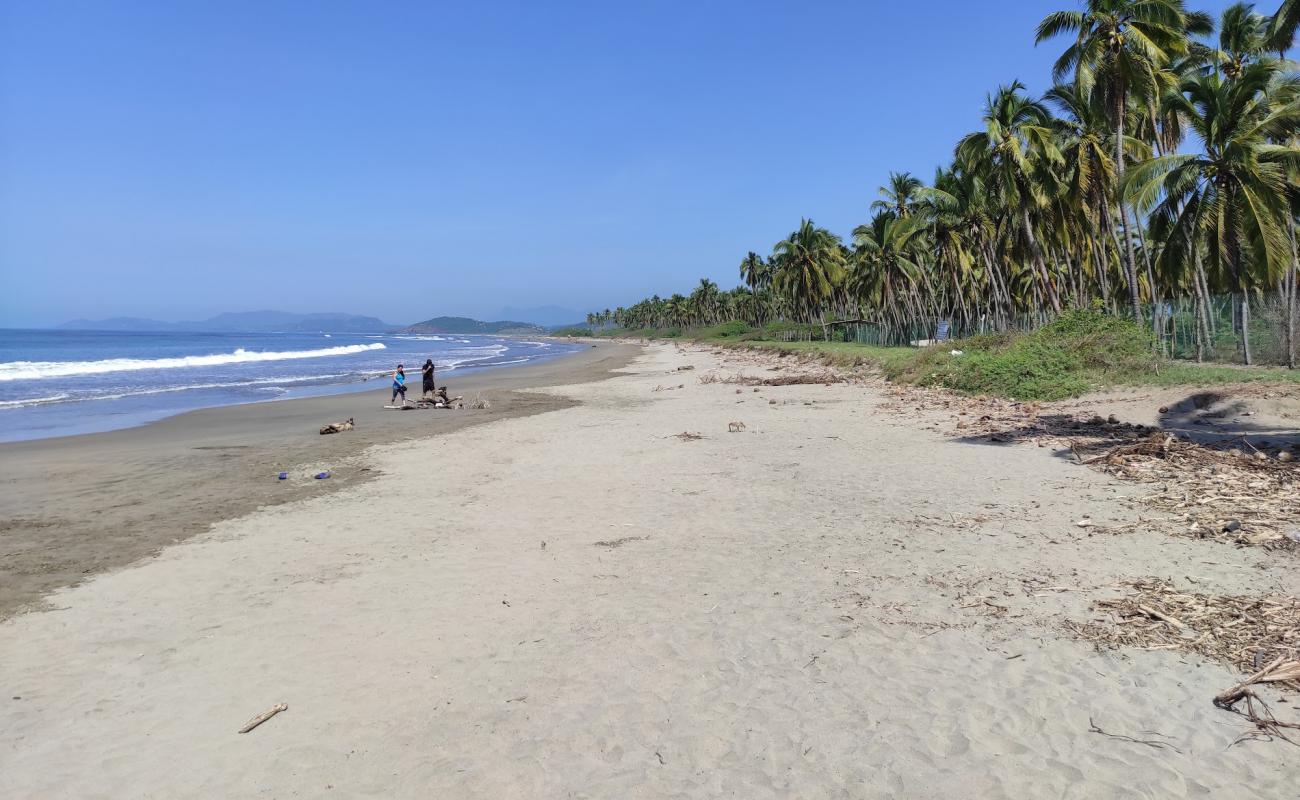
(754, 272)
(885, 272)
(899, 196)
(1243, 38)
(1089, 178)
(810, 267)
(1014, 155)
(1230, 199)
(1120, 48)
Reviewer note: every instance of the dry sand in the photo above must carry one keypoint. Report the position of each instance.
(833, 603)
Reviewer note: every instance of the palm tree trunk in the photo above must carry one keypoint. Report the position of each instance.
(1131, 266)
(1289, 301)
(1099, 261)
(1203, 341)
(1037, 254)
(1210, 328)
(1245, 328)
(1156, 314)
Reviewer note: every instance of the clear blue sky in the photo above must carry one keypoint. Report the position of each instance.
(410, 159)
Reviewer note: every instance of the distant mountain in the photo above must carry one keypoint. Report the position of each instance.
(467, 325)
(246, 321)
(546, 316)
(297, 323)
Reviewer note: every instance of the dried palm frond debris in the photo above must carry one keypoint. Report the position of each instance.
(1256, 710)
(1213, 492)
(1245, 632)
(1258, 635)
(1232, 491)
(824, 376)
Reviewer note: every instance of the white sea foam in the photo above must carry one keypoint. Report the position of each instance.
(33, 401)
(276, 384)
(34, 370)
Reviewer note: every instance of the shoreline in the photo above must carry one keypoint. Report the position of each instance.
(74, 506)
(48, 417)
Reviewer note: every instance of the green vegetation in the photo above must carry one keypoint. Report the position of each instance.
(1078, 352)
(1160, 172)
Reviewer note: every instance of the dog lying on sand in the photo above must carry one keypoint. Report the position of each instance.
(338, 427)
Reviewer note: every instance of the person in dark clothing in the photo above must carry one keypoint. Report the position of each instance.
(426, 372)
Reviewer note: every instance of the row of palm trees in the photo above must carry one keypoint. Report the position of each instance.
(1163, 165)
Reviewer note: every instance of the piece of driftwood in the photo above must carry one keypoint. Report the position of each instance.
(1279, 670)
(264, 716)
(1257, 711)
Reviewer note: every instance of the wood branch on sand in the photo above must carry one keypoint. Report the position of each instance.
(264, 716)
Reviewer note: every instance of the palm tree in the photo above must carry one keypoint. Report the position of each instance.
(1014, 155)
(899, 196)
(753, 271)
(810, 266)
(1089, 179)
(1120, 48)
(1231, 199)
(1243, 37)
(885, 271)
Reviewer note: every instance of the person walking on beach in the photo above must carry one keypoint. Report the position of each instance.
(426, 372)
(399, 385)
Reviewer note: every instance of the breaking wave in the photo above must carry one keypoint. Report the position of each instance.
(34, 370)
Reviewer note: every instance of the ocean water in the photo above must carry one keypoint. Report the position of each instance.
(55, 383)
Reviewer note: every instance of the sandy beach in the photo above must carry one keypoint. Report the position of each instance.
(76, 505)
(573, 600)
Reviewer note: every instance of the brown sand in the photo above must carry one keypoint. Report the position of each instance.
(77, 505)
(834, 603)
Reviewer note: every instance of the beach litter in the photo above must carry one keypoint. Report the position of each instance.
(688, 436)
(284, 476)
(320, 476)
(264, 716)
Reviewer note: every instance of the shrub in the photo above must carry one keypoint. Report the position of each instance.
(1064, 358)
(727, 330)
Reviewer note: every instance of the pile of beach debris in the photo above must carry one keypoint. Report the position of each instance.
(1258, 635)
(1235, 491)
(826, 377)
(1212, 492)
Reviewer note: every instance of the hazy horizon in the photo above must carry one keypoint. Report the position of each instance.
(176, 161)
(541, 315)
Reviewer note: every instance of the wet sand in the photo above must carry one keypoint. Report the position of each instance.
(74, 506)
